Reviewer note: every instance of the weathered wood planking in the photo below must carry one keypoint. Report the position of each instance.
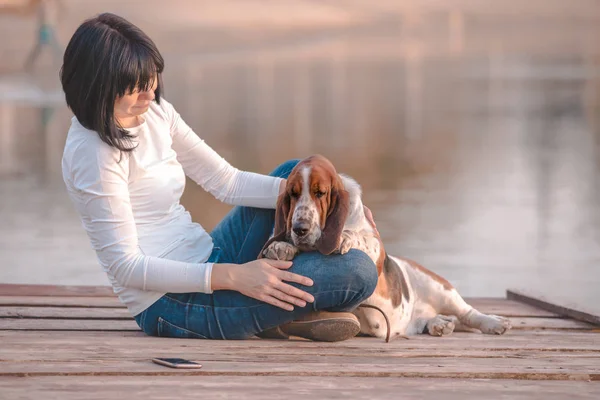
(482, 368)
(122, 313)
(551, 341)
(60, 301)
(72, 337)
(67, 324)
(508, 308)
(549, 323)
(300, 388)
(7, 289)
(116, 324)
(557, 306)
(64, 353)
(65, 313)
(103, 296)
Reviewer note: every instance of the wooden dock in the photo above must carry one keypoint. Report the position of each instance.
(80, 342)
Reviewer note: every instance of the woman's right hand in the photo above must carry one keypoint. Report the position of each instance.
(263, 280)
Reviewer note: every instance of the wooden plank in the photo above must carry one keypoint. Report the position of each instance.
(67, 324)
(499, 307)
(60, 345)
(201, 351)
(65, 313)
(122, 313)
(496, 306)
(67, 388)
(549, 323)
(103, 296)
(524, 355)
(31, 343)
(61, 301)
(93, 322)
(7, 289)
(479, 368)
(508, 308)
(69, 297)
(557, 306)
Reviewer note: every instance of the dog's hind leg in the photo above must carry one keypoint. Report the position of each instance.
(468, 317)
(444, 298)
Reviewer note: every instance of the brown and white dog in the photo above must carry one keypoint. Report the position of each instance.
(323, 210)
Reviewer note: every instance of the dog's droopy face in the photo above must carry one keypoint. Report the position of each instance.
(314, 207)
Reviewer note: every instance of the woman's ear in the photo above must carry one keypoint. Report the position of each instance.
(336, 219)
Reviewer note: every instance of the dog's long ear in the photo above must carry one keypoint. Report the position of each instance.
(282, 212)
(336, 219)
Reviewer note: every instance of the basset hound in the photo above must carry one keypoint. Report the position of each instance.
(322, 210)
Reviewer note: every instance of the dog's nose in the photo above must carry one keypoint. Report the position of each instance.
(300, 229)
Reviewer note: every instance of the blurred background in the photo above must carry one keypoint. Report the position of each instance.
(473, 126)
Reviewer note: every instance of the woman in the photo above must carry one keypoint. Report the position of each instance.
(124, 165)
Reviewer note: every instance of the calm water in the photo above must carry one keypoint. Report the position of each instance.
(478, 149)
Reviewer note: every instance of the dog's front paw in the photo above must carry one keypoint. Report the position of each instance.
(346, 243)
(495, 325)
(440, 325)
(280, 251)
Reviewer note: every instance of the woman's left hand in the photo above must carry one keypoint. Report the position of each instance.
(282, 186)
(369, 216)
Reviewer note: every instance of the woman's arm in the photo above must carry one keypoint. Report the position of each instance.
(211, 171)
(97, 184)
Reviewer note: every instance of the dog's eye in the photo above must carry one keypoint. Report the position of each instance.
(294, 195)
(319, 194)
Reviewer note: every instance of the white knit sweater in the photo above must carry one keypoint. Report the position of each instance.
(145, 240)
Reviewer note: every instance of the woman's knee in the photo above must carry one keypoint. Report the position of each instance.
(284, 169)
(353, 271)
(362, 272)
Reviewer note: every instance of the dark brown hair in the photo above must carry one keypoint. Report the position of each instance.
(107, 58)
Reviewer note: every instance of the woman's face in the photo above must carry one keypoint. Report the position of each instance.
(135, 103)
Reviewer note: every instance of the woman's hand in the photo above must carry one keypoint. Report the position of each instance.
(263, 280)
(282, 186)
(369, 216)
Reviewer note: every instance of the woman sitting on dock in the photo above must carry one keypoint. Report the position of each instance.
(125, 163)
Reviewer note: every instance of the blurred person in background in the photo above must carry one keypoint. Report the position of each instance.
(47, 17)
(124, 165)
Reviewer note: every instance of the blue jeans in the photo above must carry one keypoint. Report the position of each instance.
(341, 283)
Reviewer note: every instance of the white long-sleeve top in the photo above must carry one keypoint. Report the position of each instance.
(144, 238)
